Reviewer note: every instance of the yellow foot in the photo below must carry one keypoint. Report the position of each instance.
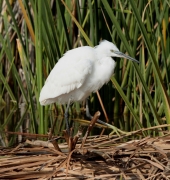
(115, 129)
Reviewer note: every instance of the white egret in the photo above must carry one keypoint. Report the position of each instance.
(80, 72)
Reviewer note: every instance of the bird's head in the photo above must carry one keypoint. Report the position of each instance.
(108, 49)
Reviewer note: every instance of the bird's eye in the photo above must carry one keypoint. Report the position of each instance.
(112, 50)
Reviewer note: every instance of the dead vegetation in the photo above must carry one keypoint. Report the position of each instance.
(101, 157)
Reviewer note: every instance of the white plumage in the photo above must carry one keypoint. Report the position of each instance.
(79, 72)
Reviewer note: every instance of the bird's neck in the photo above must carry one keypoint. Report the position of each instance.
(100, 54)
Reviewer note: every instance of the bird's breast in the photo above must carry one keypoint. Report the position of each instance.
(101, 73)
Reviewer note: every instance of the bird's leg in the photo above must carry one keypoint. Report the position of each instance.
(87, 110)
(115, 129)
(66, 117)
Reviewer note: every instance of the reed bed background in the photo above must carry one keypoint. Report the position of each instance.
(35, 34)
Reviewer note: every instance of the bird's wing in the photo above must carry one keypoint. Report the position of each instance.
(68, 74)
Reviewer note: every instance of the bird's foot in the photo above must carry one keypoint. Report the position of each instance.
(115, 129)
